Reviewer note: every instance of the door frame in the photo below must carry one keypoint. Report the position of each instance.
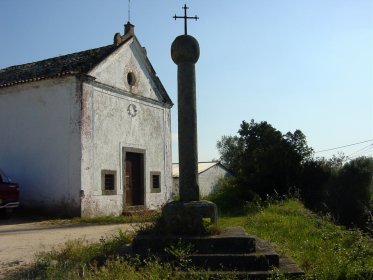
(142, 153)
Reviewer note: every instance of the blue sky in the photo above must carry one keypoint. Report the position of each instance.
(297, 64)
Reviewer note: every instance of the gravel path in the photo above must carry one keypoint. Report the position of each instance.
(21, 241)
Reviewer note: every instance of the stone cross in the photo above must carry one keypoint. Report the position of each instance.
(185, 217)
(185, 17)
(185, 53)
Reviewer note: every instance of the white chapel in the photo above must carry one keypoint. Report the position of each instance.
(88, 133)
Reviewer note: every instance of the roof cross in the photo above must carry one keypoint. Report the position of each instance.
(185, 17)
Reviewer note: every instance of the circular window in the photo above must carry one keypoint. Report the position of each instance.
(131, 79)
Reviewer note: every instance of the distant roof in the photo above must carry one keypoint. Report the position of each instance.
(71, 64)
(202, 167)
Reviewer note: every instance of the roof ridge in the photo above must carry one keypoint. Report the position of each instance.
(55, 57)
(63, 65)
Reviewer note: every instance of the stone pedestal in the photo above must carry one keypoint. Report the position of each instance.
(186, 218)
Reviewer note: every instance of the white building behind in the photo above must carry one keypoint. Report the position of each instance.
(209, 173)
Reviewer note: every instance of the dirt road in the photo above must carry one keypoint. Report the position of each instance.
(21, 241)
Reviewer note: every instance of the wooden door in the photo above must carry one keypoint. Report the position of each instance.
(134, 183)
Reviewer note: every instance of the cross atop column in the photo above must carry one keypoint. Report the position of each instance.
(185, 17)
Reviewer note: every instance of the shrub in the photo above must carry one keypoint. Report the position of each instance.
(231, 198)
(315, 179)
(351, 191)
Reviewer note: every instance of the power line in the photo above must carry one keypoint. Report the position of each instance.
(370, 146)
(362, 153)
(331, 149)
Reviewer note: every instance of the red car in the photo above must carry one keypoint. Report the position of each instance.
(9, 194)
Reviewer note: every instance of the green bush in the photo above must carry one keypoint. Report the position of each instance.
(351, 191)
(232, 199)
(344, 191)
(315, 179)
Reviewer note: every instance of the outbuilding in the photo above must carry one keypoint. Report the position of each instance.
(209, 174)
(88, 133)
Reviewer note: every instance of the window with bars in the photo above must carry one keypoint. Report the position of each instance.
(108, 182)
(155, 181)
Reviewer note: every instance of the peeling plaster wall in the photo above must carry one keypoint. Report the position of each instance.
(107, 129)
(40, 143)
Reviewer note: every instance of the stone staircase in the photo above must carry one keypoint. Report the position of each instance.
(232, 251)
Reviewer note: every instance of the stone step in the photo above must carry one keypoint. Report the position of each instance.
(244, 275)
(228, 245)
(236, 262)
(232, 241)
(229, 252)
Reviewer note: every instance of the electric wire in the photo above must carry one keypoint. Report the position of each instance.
(336, 148)
(370, 146)
(362, 153)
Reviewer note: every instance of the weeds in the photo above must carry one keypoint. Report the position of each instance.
(75, 258)
(180, 253)
(322, 249)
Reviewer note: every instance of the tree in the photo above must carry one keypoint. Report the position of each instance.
(316, 177)
(230, 148)
(263, 159)
(351, 192)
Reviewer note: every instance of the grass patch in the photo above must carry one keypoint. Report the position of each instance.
(322, 249)
(143, 218)
(79, 260)
(105, 220)
(135, 217)
(75, 259)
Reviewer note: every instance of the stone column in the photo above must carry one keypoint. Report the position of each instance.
(185, 53)
(185, 217)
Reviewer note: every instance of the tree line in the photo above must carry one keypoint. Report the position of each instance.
(266, 163)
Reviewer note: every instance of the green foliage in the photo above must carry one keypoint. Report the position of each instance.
(315, 180)
(74, 258)
(144, 217)
(351, 192)
(230, 149)
(267, 162)
(79, 260)
(181, 252)
(230, 197)
(264, 159)
(322, 249)
(343, 190)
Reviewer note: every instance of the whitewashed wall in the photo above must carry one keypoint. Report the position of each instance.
(40, 143)
(107, 129)
(209, 178)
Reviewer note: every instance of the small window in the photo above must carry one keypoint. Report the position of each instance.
(156, 183)
(108, 181)
(131, 79)
(155, 180)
